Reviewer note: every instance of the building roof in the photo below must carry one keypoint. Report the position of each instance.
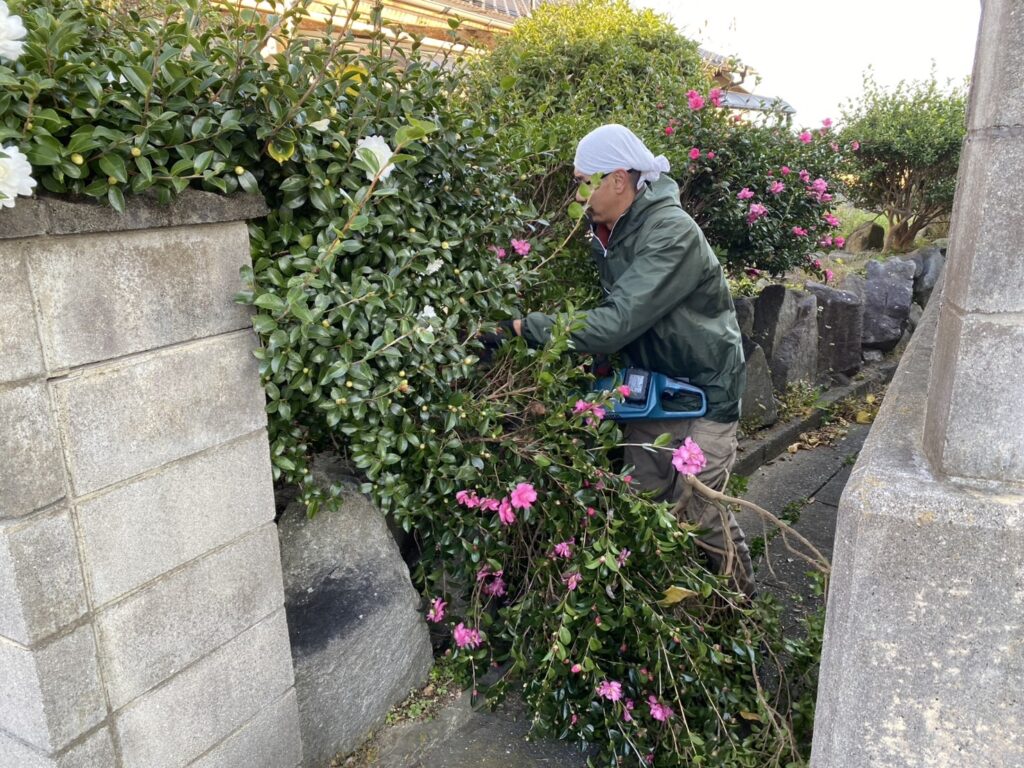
(737, 100)
(512, 8)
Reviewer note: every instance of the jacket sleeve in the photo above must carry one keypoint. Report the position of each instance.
(667, 267)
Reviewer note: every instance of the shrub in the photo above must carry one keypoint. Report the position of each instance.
(372, 275)
(907, 143)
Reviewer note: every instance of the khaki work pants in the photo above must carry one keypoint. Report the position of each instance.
(654, 472)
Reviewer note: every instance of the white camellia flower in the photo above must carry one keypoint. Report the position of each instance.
(380, 149)
(321, 125)
(12, 33)
(433, 266)
(15, 176)
(428, 313)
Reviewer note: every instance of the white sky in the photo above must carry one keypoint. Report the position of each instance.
(814, 54)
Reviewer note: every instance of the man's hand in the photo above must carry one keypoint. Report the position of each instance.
(491, 341)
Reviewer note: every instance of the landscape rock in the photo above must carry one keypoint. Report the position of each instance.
(745, 314)
(840, 325)
(869, 236)
(932, 263)
(854, 284)
(887, 297)
(775, 312)
(359, 640)
(873, 355)
(795, 357)
(914, 318)
(757, 407)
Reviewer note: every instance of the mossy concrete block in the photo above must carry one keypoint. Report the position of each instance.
(203, 705)
(135, 414)
(102, 297)
(32, 470)
(41, 585)
(158, 631)
(20, 348)
(191, 507)
(51, 693)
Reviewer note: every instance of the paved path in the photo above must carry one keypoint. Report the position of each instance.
(462, 738)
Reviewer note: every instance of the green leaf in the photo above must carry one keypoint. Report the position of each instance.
(270, 301)
(575, 211)
(116, 198)
(662, 440)
(508, 82)
(113, 165)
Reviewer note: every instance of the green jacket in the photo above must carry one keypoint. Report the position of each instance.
(667, 307)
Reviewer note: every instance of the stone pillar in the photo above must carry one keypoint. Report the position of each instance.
(141, 619)
(923, 663)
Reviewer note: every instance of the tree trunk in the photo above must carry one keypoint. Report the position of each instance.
(900, 237)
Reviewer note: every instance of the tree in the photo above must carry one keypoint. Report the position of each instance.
(907, 149)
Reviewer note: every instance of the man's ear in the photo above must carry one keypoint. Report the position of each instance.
(622, 181)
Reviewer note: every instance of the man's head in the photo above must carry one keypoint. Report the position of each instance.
(625, 164)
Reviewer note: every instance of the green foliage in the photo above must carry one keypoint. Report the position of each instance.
(372, 276)
(906, 163)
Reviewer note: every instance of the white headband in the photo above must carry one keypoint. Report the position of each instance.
(611, 147)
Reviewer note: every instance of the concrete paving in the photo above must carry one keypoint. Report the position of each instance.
(461, 737)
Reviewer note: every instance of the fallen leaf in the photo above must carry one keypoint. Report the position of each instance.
(863, 417)
(750, 715)
(870, 399)
(675, 595)
(794, 448)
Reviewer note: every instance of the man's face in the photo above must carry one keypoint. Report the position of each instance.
(609, 198)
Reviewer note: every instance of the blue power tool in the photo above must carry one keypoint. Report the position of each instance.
(648, 394)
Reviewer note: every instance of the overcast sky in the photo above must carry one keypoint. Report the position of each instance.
(814, 54)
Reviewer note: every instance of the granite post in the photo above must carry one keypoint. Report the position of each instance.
(923, 662)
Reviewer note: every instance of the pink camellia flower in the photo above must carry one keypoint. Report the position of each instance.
(467, 499)
(806, 137)
(834, 146)
(572, 581)
(826, 241)
(711, 155)
(776, 187)
(828, 275)
(799, 231)
(627, 479)
(522, 247)
(436, 612)
(466, 637)
(715, 97)
(819, 185)
(816, 263)
(627, 707)
(505, 513)
(669, 130)
(523, 496)
(483, 573)
(495, 586)
(744, 194)
(832, 220)
(498, 252)
(805, 176)
(576, 669)
(785, 170)
(854, 145)
(826, 123)
(610, 689)
(582, 406)
(839, 242)
(688, 458)
(659, 711)
(564, 548)
(825, 198)
(623, 389)
(622, 557)
(695, 100)
(488, 504)
(591, 511)
(694, 153)
(598, 414)
(756, 212)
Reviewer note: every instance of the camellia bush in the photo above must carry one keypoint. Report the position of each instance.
(395, 236)
(907, 153)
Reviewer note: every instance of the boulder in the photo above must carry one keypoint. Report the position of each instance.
(873, 355)
(888, 293)
(840, 325)
(914, 317)
(775, 312)
(932, 263)
(359, 640)
(869, 236)
(854, 284)
(744, 314)
(795, 357)
(758, 407)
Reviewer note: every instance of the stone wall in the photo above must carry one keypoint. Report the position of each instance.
(141, 619)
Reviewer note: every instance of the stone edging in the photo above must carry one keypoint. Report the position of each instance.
(756, 451)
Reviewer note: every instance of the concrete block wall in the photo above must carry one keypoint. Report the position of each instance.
(141, 601)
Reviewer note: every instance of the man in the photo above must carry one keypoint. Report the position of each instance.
(666, 308)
